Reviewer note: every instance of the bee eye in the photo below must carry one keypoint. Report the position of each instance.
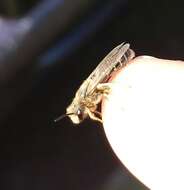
(78, 112)
(80, 115)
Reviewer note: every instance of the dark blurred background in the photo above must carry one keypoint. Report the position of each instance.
(47, 48)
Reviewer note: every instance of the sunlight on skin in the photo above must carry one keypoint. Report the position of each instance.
(143, 118)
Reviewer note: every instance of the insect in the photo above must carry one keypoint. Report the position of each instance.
(92, 90)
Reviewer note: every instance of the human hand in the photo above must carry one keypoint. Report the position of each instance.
(143, 117)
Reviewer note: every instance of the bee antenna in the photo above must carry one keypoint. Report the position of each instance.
(62, 116)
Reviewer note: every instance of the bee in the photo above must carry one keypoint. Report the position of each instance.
(89, 96)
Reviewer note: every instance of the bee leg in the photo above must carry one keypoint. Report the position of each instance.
(104, 87)
(106, 96)
(97, 113)
(92, 116)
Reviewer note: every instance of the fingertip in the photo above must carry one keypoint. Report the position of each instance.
(142, 114)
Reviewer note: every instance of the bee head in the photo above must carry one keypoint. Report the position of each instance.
(76, 113)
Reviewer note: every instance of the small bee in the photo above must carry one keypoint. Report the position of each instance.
(92, 90)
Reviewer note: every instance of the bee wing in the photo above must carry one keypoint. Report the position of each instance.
(116, 58)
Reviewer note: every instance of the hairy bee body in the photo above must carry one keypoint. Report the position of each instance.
(91, 91)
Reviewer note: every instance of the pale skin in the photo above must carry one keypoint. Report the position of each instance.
(143, 118)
